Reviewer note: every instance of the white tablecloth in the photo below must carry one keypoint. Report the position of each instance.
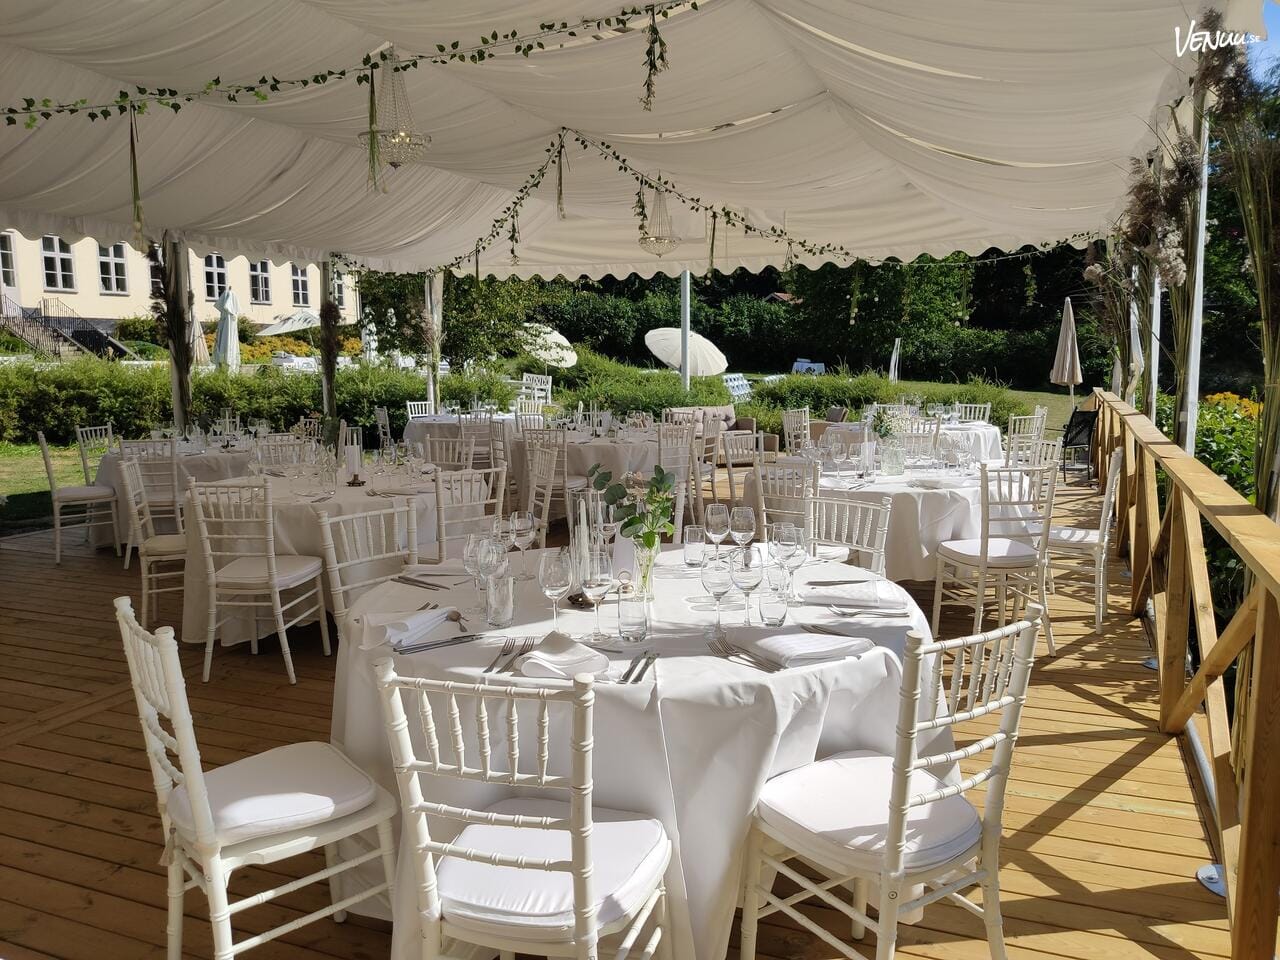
(691, 745)
(210, 465)
(297, 532)
(584, 452)
(983, 439)
(443, 425)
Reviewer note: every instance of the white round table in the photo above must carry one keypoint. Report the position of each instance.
(691, 745)
(584, 451)
(439, 426)
(982, 439)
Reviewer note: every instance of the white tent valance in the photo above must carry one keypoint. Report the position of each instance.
(956, 125)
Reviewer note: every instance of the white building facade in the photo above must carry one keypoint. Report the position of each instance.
(113, 281)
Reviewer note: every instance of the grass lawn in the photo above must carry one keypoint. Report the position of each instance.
(1058, 402)
(23, 481)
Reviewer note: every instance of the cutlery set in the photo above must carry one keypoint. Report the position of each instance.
(638, 667)
(727, 651)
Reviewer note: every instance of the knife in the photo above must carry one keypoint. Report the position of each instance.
(434, 644)
(644, 667)
(626, 674)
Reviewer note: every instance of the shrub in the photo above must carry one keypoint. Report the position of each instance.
(143, 327)
(487, 385)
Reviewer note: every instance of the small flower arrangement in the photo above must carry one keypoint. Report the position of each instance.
(642, 506)
(885, 424)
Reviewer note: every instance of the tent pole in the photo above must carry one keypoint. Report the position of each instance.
(178, 321)
(329, 317)
(1191, 412)
(684, 329)
(1153, 349)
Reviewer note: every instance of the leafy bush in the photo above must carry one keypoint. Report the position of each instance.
(143, 327)
(461, 387)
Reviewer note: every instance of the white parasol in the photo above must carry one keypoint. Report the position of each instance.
(705, 358)
(549, 346)
(1066, 370)
(226, 346)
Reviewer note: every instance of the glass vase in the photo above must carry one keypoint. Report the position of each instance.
(893, 459)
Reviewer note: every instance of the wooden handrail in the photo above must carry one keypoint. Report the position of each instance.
(1170, 571)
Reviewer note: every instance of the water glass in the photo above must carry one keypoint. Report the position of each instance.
(773, 607)
(470, 550)
(695, 542)
(633, 619)
(499, 603)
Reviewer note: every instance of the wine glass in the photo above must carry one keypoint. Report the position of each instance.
(716, 521)
(716, 580)
(555, 576)
(837, 455)
(504, 533)
(606, 522)
(742, 525)
(795, 559)
(491, 559)
(746, 570)
(596, 580)
(782, 542)
(470, 563)
(524, 528)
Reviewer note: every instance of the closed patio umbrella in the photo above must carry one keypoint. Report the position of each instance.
(894, 360)
(705, 358)
(549, 346)
(226, 346)
(1066, 361)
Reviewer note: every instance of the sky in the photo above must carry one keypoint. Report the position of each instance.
(1264, 55)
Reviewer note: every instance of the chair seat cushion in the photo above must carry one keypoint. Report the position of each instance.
(1081, 537)
(837, 810)
(1001, 552)
(833, 552)
(84, 493)
(252, 571)
(629, 855)
(165, 545)
(286, 788)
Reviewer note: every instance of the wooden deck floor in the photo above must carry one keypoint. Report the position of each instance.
(1103, 830)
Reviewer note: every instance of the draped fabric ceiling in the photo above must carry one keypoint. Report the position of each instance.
(889, 127)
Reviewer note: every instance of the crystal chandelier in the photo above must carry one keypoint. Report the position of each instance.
(657, 236)
(398, 140)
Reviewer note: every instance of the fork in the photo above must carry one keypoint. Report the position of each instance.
(525, 646)
(722, 648)
(508, 645)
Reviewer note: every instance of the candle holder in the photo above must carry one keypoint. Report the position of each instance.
(355, 481)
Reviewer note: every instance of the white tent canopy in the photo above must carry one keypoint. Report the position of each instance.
(964, 125)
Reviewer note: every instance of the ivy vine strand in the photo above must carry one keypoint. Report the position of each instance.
(31, 111)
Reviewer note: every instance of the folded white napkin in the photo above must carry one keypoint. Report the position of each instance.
(937, 483)
(401, 629)
(560, 657)
(799, 649)
(408, 488)
(879, 595)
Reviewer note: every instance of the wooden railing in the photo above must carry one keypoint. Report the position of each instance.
(1165, 548)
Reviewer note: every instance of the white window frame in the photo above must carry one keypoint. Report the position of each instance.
(259, 281)
(113, 280)
(56, 253)
(8, 265)
(215, 275)
(301, 286)
(339, 292)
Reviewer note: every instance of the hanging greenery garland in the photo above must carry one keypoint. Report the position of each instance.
(32, 110)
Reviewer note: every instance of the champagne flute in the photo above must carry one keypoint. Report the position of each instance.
(795, 559)
(596, 580)
(471, 565)
(746, 570)
(523, 528)
(742, 525)
(837, 455)
(716, 521)
(716, 580)
(555, 576)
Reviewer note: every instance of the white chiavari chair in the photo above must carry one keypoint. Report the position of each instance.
(161, 557)
(557, 439)
(254, 811)
(537, 386)
(675, 456)
(235, 522)
(1011, 554)
(362, 550)
(284, 451)
(1027, 452)
(307, 428)
(541, 485)
(1080, 553)
(544, 875)
(500, 455)
(475, 426)
(419, 409)
(466, 503)
(93, 442)
(740, 450)
(795, 429)
(706, 456)
(671, 415)
(530, 421)
(448, 453)
(528, 406)
(229, 421)
(973, 412)
(843, 529)
(892, 824)
(78, 506)
(383, 420)
(162, 480)
(784, 492)
(1022, 430)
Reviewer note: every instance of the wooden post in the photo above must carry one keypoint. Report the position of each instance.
(1177, 622)
(1146, 525)
(1253, 928)
(329, 317)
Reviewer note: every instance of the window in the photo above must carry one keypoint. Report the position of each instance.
(260, 281)
(301, 295)
(111, 268)
(59, 274)
(155, 260)
(8, 275)
(215, 276)
(338, 292)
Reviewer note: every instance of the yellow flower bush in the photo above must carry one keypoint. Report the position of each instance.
(1233, 401)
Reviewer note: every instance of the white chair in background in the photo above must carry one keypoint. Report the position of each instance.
(532, 875)
(842, 529)
(1024, 451)
(383, 420)
(466, 503)
(530, 421)
(162, 478)
(672, 415)
(537, 386)
(236, 526)
(706, 457)
(1080, 553)
(541, 482)
(741, 451)
(419, 409)
(307, 428)
(251, 812)
(795, 429)
(1023, 430)
(93, 443)
(80, 505)
(448, 453)
(675, 456)
(556, 439)
(1010, 556)
(973, 412)
(161, 557)
(527, 406)
(362, 550)
(893, 823)
(475, 426)
(500, 455)
(276, 451)
(784, 492)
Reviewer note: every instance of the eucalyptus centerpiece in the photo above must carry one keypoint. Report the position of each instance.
(643, 509)
(888, 427)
